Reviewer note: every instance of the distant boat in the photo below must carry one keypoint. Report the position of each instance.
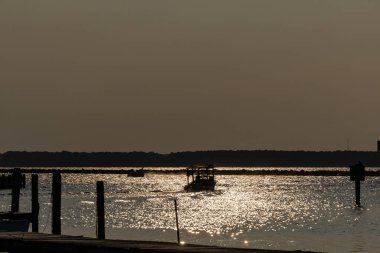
(136, 173)
(14, 225)
(202, 178)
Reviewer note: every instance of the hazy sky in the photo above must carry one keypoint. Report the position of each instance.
(189, 75)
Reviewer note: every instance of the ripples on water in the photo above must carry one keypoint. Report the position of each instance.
(270, 212)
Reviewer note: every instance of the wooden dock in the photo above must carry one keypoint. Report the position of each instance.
(22, 242)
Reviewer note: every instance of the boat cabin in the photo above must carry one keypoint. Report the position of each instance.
(200, 178)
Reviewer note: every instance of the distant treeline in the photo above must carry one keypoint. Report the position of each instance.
(239, 158)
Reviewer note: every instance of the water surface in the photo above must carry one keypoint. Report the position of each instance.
(268, 212)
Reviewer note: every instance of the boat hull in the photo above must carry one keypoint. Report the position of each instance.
(201, 186)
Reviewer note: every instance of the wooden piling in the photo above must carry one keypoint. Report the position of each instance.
(23, 181)
(16, 185)
(100, 229)
(56, 206)
(357, 174)
(35, 203)
(176, 221)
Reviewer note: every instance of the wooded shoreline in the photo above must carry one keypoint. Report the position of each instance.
(273, 172)
(239, 158)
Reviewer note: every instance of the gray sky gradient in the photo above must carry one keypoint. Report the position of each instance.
(189, 75)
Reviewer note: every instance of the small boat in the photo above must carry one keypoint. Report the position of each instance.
(202, 178)
(14, 225)
(136, 173)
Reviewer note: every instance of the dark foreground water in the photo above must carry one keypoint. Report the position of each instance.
(268, 212)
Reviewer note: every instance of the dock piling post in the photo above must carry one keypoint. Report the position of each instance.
(56, 206)
(357, 174)
(100, 229)
(35, 203)
(176, 220)
(16, 185)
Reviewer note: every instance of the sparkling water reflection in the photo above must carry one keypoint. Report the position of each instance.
(270, 212)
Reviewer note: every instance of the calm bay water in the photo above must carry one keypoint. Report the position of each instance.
(268, 212)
